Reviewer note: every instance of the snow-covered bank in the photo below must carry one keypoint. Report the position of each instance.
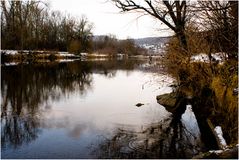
(220, 57)
(36, 55)
(11, 64)
(9, 52)
(14, 52)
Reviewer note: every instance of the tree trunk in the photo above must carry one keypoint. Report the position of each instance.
(182, 39)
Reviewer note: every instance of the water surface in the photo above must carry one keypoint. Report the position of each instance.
(84, 109)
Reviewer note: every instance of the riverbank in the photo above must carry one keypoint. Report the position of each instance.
(38, 55)
(22, 55)
(173, 103)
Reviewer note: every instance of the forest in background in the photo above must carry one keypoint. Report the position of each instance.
(32, 25)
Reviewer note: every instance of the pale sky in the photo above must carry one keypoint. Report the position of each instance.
(107, 18)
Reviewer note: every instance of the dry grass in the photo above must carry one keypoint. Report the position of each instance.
(194, 77)
(226, 110)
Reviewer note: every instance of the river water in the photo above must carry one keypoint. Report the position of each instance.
(87, 109)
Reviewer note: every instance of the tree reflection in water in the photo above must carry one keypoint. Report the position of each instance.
(16, 130)
(175, 137)
(26, 90)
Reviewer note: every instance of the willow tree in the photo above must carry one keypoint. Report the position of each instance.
(172, 13)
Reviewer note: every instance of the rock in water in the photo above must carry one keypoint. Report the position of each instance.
(167, 100)
(139, 104)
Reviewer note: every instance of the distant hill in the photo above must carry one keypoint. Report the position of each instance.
(152, 40)
(153, 44)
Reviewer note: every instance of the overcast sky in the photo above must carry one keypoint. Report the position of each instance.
(107, 18)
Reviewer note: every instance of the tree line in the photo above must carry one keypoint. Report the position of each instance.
(32, 25)
(109, 44)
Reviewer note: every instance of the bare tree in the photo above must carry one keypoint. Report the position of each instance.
(32, 25)
(16, 17)
(219, 20)
(84, 33)
(172, 13)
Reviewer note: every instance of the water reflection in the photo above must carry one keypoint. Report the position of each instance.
(28, 86)
(191, 130)
(25, 88)
(177, 136)
(27, 91)
(85, 109)
(16, 130)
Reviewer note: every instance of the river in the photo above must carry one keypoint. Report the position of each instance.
(87, 109)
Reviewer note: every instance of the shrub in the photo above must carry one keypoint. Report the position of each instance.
(74, 47)
(196, 77)
(226, 110)
(52, 57)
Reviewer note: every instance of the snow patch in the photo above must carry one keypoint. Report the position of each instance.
(65, 60)
(11, 52)
(98, 55)
(203, 57)
(65, 54)
(10, 64)
(216, 151)
(222, 141)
